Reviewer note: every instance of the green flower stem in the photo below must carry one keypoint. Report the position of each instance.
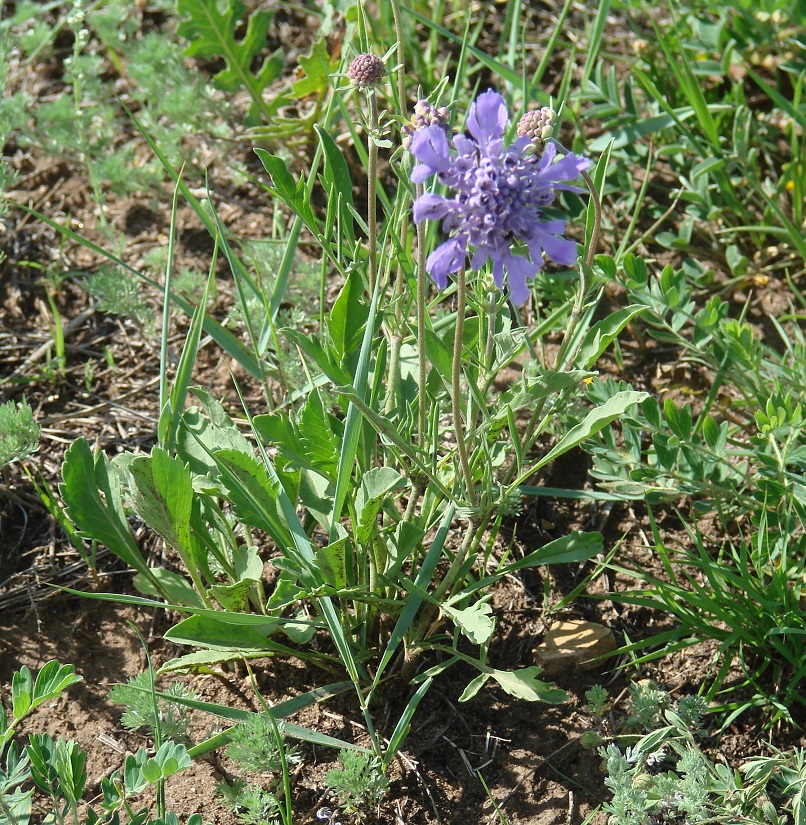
(401, 56)
(490, 345)
(430, 619)
(422, 289)
(456, 385)
(531, 432)
(372, 188)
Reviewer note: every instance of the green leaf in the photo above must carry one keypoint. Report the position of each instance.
(316, 67)
(474, 687)
(318, 442)
(399, 547)
(316, 494)
(439, 355)
(415, 598)
(252, 493)
(162, 495)
(99, 519)
(212, 34)
(603, 333)
(679, 421)
(403, 725)
(348, 318)
(140, 771)
(312, 346)
(596, 420)
(300, 633)
(22, 692)
(199, 434)
(524, 684)
(279, 711)
(576, 547)
(19, 432)
(376, 485)
(339, 186)
(19, 805)
(203, 631)
(476, 622)
(247, 563)
(232, 596)
(201, 661)
(174, 404)
(285, 187)
(528, 391)
(51, 680)
(331, 564)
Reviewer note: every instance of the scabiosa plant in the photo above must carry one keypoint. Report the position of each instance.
(499, 194)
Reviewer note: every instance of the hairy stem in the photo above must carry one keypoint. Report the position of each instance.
(372, 185)
(401, 56)
(422, 288)
(576, 312)
(456, 385)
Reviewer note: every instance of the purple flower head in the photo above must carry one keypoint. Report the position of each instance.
(425, 115)
(498, 195)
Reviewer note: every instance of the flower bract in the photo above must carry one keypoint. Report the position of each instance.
(497, 194)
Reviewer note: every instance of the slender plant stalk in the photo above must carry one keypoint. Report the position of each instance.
(401, 55)
(576, 312)
(397, 302)
(456, 385)
(372, 187)
(430, 620)
(422, 371)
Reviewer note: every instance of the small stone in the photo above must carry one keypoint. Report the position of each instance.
(573, 644)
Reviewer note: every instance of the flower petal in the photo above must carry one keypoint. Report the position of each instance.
(430, 207)
(548, 237)
(487, 118)
(430, 146)
(446, 259)
(518, 271)
(568, 167)
(421, 173)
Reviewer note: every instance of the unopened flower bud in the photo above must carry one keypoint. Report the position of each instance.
(537, 125)
(366, 70)
(425, 115)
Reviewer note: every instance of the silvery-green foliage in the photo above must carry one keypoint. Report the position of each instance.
(173, 718)
(250, 804)
(254, 746)
(19, 432)
(359, 784)
(664, 777)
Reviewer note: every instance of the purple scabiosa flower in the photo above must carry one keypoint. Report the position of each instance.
(498, 196)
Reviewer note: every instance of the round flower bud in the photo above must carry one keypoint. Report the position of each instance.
(425, 115)
(366, 70)
(537, 125)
